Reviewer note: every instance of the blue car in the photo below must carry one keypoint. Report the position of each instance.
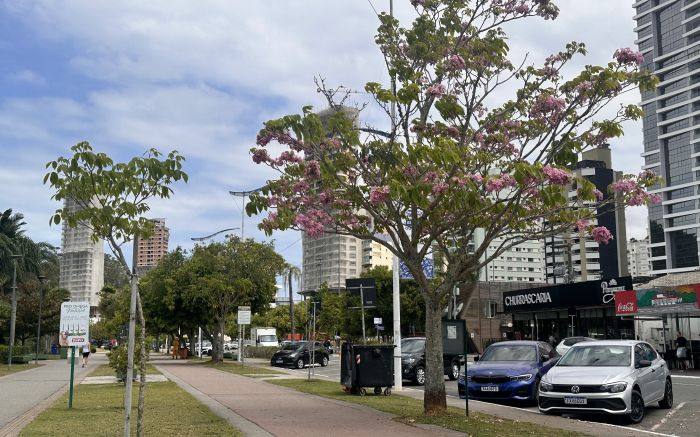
(508, 370)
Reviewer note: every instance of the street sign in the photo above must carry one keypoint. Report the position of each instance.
(428, 269)
(74, 326)
(244, 315)
(380, 327)
(377, 320)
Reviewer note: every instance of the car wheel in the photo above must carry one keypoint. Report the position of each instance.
(454, 373)
(420, 375)
(637, 406)
(667, 401)
(324, 361)
(300, 363)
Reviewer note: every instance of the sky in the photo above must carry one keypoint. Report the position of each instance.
(202, 77)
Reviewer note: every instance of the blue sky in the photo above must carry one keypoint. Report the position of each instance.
(202, 77)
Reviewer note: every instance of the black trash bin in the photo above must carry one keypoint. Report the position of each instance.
(367, 366)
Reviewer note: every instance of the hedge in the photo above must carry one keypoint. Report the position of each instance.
(16, 351)
(260, 351)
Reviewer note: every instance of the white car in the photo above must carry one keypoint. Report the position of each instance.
(566, 343)
(620, 377)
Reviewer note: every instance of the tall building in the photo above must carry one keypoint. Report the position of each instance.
(574, 257)
(330, 258)
(521, 263)
(668, 35)
(638, 257)
(81, 262)
(151, 250)
(375, 255)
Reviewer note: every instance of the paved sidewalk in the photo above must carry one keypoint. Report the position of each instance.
(260, 409)
(25, 394)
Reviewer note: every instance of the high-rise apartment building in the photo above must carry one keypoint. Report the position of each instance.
(375, 255)
(151, 250)
(82, 262)
(668, 35)
(575, 257)
(638, 257)
(521, 263)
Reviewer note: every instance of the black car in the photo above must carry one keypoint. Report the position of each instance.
(413, 361)
(298, 354)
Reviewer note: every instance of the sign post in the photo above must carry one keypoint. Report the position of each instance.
(368, 296)
(74, 330)
(243, 319)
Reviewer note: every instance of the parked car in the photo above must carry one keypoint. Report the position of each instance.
(413, 361)
(566, 343)
(298, 354)
(508, 370)
(608, 376)
(206, 348)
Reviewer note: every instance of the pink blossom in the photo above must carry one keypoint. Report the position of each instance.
(300, 187)
(627, 56)
(522, 8)
(260, 155)
(312, 169)
(550, 72)
(531, 191)
(582, 224)
(646, 175)
(410, 171)
(599, 195)
(583, 87)
(436, 90)
(556, 175)
(654, 199)
(439, 188)
(430, 177)
(551, 59)
(476, 177)
(313, 222)
(548, 106)
(601, 234)
(453, 132)
(494, 185)
(624, 186)
(508, 180)
(456, 62)
(325, 197)
(378, 195)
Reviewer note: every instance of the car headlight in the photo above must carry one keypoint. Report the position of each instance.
(615, 387)
(545, 386)
(523, 377)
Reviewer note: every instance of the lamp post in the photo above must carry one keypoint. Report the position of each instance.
(13, 317)
(243, 194)
(197, 239)
(38, 325)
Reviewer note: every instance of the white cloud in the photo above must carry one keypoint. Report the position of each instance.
(26, 76)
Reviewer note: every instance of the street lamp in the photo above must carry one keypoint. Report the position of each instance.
(13, 317)
(38, 325)
(213, 235)
(244, 194)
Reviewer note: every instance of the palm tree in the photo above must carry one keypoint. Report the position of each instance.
(14, 242)
(291, 272)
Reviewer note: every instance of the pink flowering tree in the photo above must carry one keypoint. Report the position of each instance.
(455, 158)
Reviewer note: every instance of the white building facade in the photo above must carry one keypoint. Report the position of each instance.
(638, 257)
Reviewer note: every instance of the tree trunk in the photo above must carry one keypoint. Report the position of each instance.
(142, 369)
(217, 346)
(434, 398)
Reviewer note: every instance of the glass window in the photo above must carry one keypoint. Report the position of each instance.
(509, 353)
(597, 356)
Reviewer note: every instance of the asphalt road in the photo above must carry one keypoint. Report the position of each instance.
(682, 420)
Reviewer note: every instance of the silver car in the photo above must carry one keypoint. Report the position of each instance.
(608, 376)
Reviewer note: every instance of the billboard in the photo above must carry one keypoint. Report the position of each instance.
(659, 300)
(74, 327)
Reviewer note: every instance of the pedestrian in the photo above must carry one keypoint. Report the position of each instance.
(176, 347)
(337, 339)
(86, 354)
(681, 351)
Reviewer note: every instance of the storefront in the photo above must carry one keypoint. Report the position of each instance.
(566, 310)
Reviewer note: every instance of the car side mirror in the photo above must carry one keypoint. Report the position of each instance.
(643, 363)
(476, 358)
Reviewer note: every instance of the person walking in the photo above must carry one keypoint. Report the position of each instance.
(176, 347)
(86, 354)
(681, 351)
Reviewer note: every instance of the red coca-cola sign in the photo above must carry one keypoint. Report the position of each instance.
(625, 302)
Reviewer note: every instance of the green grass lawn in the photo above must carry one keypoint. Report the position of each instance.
(409, 410)
(105, 370)
(15, 368)
(238, 369)
(98, 410)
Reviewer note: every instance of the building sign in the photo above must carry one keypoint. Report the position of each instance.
(660, 300)
(243, 315)
(589, 293)
(74, 327)
(625, 302)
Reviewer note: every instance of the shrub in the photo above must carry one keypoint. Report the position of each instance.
(118, 358)
(16, 351)
(260, 351)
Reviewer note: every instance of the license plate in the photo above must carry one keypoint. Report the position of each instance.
(572, 400)
(278, 361)
(489, 388)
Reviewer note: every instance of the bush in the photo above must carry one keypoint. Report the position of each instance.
(16, 351)
(260, 351)
(118, 360)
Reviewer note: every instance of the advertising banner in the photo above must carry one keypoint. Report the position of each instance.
(74, 327)
(625, 302)
(675, 299)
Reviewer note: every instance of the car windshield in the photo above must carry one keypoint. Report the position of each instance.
(412, 346)
(292, 346)
(597, 356)
(268, 338)
(510, 353)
